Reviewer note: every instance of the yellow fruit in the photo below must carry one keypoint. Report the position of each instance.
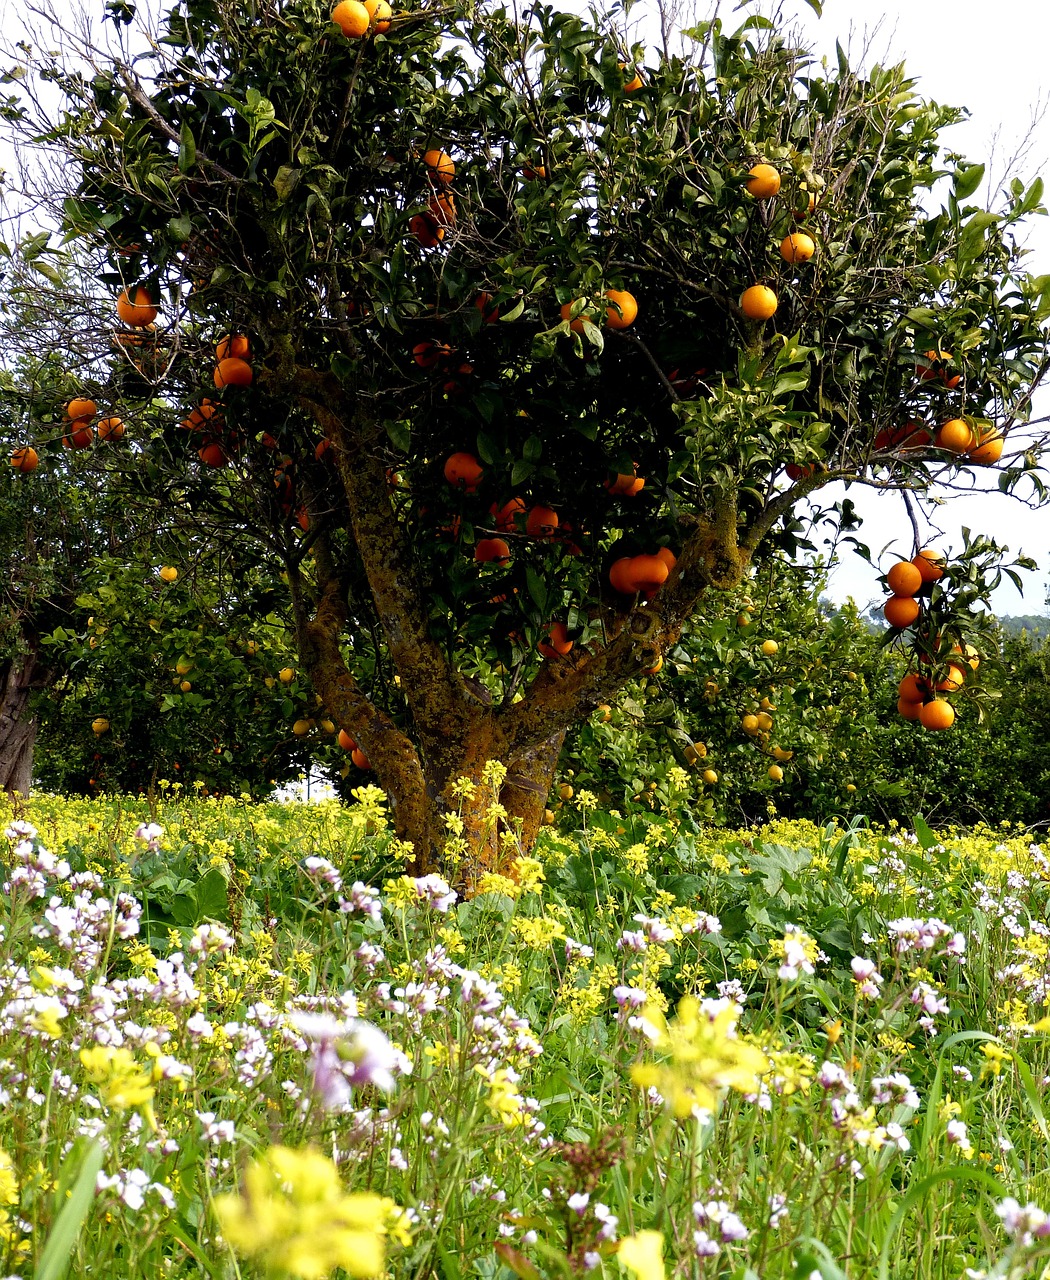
(301, 728)
(604, 712)
(770, 647)
(710, 777)
(269, 682)
(168, 573)
(185, 686)
(743, 619)
(100, 726)
(328, 726)
(252, 648)
(850, 787)
(286, 675)
(565, 791)
(548, 817)
(765, 721)
(184, 666)
(749, 724)
(776, 773)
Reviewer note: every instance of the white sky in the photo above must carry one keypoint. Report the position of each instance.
(990, 59)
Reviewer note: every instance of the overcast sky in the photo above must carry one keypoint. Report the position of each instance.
(990, 59)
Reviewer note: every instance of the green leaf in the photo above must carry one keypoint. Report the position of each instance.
(537, 588)
(187, 149)
(926, 838)
(211, 895)
(48, 272)
(514, 313)
(286, 180)
(55, 1255)
(966, 181)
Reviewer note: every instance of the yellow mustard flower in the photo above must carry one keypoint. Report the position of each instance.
(643, 1253)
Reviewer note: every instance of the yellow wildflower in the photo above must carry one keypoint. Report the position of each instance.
(538, 932)
(643, 1253)
(297, 1220)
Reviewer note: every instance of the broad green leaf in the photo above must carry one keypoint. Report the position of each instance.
(55, 1255)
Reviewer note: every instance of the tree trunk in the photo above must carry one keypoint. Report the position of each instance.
(17, 729)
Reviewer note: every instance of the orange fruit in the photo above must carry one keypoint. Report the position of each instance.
(668, 557)
(575, 325)
(440, 165)
(428, 354)
(558, 643)
(352, 18)
(541, 522)
(492, 550)
(234, 344)
(990, 448)
(213, 455)
(626, 486)
(138, 310)
(763, 181)
(955, 679)
(380, 14)
(956, 435)
(913, 688)
(634, 84)
(797, 248)
(904, 579)
(620, 576)
(110, 429)
(442, 209)
(930, 564)
(79, 437)
(205, 411)
(233, 372)
(759, 302)
(357, 755)
(25, 459)
(345, 741)
(81, 409)
(489, 310)
(909, 710)
(647, 573)
(463, 471)
(937, 714)
(937, 368)
(426, 230)
(504, 516)
(624, 310)
(901, 611)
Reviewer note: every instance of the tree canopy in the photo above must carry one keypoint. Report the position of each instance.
(506, 341)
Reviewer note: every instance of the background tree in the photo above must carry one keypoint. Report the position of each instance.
(491, 272)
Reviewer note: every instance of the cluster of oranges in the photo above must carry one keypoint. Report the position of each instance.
(917, 694)
(759, 302)
(621, 310)
(232, 369)
(981, 443)
(356, 754)
(429, 226)
(355, 19)
(79, 432)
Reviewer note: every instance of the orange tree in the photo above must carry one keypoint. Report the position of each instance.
(507, 342)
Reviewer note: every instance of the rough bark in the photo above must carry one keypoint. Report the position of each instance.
(17, 728)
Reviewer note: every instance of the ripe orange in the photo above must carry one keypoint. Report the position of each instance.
(759, 302)
(558, 643)
(620, 576)
(442, 209)
(110, 429)
(505, 516)
(492, 550)
(234, 344)
(624, 309)
(79, 437)
(956, 435)
(626, 486)
(426, 230)
(655, 669)
(25, 459)
(205, 411)
(797, 248)
(930, 564)
(634, 84)
(901, 611)
(668, 557)
(380, 13)
(955, 679)
(213, 455)
(937, 714)
(647, 573)
(937, 368)
(234, 372)
(904, 579)
(541, 522)
(428, 354)
(489, 310)
(138, 310)
(352, 18)
(913, 688)
(990, 448)
(763, 181)
(357, 755)
(345, 741)
(566, 311)
(463, 471)
(81, 409)
(908, 709)
(440, 165)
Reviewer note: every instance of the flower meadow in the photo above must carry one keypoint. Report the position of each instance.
(240, 1040)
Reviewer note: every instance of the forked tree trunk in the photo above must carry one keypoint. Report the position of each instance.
(17, 727)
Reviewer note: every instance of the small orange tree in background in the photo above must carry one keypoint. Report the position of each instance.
(534, 351)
